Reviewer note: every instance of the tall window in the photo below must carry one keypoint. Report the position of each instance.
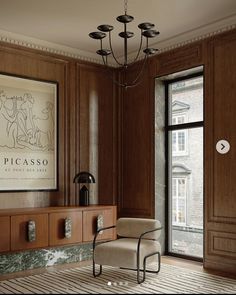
(185, 165)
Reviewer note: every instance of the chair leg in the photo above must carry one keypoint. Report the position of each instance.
(144, 267)
(94, 270)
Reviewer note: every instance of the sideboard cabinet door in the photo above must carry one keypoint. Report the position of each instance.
(65, 228)
(5, 233)
(29, 231)
(93, 219)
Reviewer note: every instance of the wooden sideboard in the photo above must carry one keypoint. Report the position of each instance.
(31, 228)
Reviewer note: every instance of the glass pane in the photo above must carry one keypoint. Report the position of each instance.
(179, 142)
(186, 101)
(186, 196)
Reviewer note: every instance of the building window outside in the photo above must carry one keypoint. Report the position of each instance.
(179, 119)
(179, 142)
(179, 199)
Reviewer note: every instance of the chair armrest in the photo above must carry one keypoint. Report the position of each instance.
(98, 231)
(145, 233)
(140, 239)
(150, 231)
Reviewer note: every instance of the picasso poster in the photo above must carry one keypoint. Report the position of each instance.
(28, 134)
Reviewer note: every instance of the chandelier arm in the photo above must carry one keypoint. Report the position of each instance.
(147, 43)
(111, 74)
(116, 82)
(136, 80)
(140, 47)
(112, 52)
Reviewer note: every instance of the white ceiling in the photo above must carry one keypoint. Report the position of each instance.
(66, 24)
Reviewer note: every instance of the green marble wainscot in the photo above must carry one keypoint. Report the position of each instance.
(30, 259)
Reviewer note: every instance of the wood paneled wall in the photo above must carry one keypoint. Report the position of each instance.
(79, 83)
(220, 169)
(136, 191)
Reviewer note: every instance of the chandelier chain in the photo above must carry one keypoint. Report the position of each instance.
(126, 5)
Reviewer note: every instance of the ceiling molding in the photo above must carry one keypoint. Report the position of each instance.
(165, 45)
(191, 36)
(25, 41)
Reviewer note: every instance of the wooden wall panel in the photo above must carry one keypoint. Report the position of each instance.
(224, 107)
(220, 169)
(222, 244)
(97, 132)
(178, 59)
(136, 191)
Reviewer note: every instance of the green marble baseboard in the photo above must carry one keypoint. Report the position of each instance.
(30, 259)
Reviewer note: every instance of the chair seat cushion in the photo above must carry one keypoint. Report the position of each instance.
(123, 252)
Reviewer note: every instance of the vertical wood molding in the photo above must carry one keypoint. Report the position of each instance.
(72, 138)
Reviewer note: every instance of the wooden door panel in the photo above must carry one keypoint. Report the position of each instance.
(4, 233)
(90, 224)
(57, 230)
(19, 231)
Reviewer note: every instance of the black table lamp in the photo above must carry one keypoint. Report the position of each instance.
(84, 177)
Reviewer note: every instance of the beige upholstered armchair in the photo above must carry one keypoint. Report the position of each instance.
(135, 247)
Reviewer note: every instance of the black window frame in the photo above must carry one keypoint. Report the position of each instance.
(168, 128)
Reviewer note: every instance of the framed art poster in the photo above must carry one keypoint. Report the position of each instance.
(28, 134)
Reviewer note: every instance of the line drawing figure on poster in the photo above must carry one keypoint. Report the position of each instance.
(21, 128)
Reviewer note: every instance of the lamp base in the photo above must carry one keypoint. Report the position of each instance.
(84, 196)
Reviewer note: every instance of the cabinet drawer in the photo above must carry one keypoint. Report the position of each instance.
(65, 228)
(24, 236)
(90, 219)
(5, 233)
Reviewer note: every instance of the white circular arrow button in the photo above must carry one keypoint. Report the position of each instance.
(222, 146)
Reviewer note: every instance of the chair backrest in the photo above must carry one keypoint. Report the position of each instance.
(134, 227)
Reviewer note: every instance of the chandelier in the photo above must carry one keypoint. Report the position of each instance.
(146, 31)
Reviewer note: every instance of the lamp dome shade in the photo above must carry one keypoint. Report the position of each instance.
(84, 177)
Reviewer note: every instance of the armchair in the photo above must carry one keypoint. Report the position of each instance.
(136, 245)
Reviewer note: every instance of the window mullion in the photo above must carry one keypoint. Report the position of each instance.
(185, 126)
